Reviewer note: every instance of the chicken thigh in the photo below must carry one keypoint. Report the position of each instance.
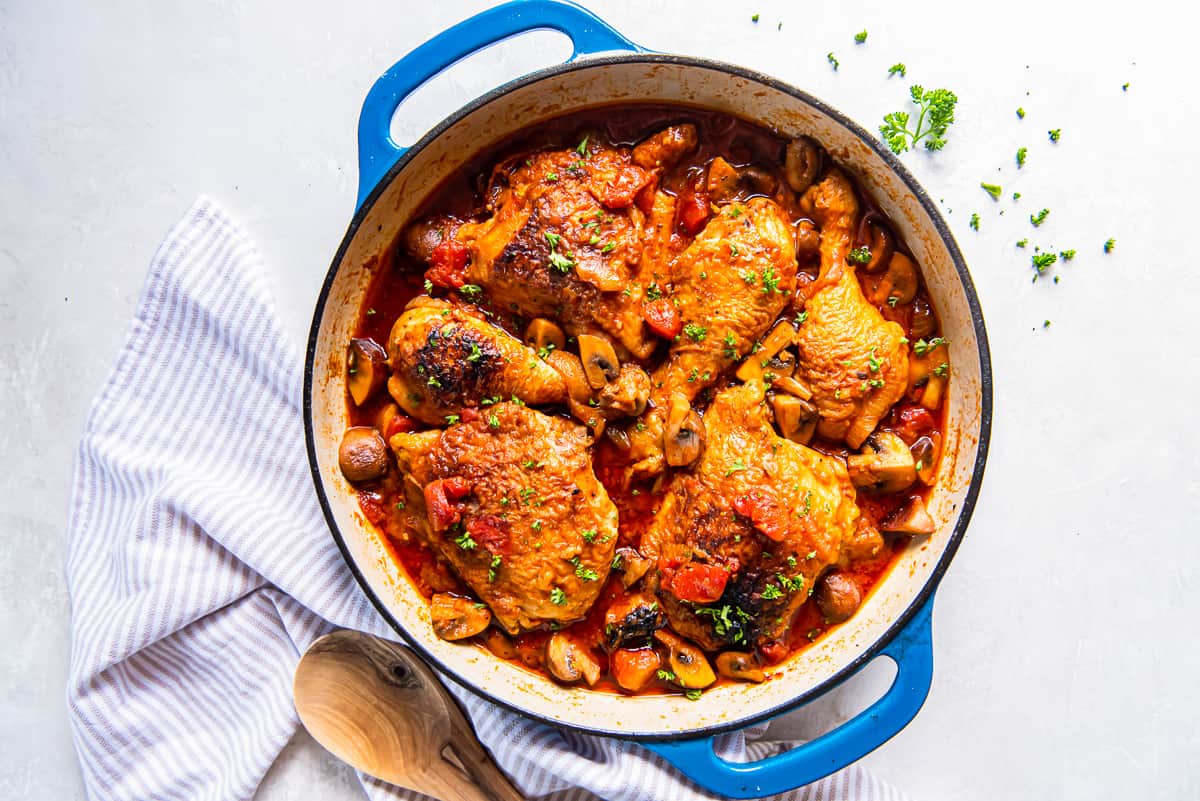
(445, 358)
(508, 497)
(854, 361)
(729, 285)
(741, 539)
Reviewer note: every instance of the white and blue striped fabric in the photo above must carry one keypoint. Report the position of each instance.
(200, 566)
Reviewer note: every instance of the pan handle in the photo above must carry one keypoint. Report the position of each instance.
(377, 151)
(911, 650)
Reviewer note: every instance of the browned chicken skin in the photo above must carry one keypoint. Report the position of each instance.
(855, 362)
(729, 285)
(510, 500)
(754, 523)
(444, 358)
(565, 236)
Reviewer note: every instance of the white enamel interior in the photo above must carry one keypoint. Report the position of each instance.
(621, 81)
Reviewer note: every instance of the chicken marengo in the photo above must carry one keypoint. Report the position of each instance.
(647, 399)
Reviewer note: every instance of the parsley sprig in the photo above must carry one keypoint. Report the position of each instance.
(937, 114)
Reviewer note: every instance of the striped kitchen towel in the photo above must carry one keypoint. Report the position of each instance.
(200, 566)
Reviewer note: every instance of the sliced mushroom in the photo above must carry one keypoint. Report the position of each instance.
(781, 365)
(882, 246)
(544, 335)
(600, 363)
(757, 181)
(794, 386)
(571, 369)
(456, 618)
(628, 395)
(362, 454)
(722, 181)
(838, 596)
(568, 660)
(634, 670)
(500, 644)
(899, 282)
(925, 456)
(366, 369)
(912, 518)
(619, 437)
(801, 163)
(740, 666)
(422, 237)
(632, 566)
(931, 398)
(924, 322)
(808, 241)
(683, 438)
(687, 662)
(884, 465)
(797, 418)
(632, 620)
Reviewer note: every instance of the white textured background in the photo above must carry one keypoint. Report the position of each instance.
(1066, 631)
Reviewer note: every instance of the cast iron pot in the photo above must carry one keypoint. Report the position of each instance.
(894, 621)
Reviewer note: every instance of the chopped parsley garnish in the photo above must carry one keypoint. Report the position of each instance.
(802, 318)
(1039, 218)
(941, 369)
(653, 292)
(609, 247)
(433, 382)
(755, 18)
(492, 567)
(832, 60)
(464, 541)
(558, 597)
(921, 347)
(452, 419)
(471, 291)
(476, 353)
(793, 584)
(791, 560)
(937, 115)
(582, 148)
(861, 36)
(665, 675)
(974, 223)
(1109, 245)
(616, 562)
(1055, 134)
(771, 592)
(563, 262)
(1125, 87)
(1021, 151)
(737, 466)
(400, 505)
(1066, 255)
(992, 189)
(873, 363)
(898, 69)
(585, 573)
(551, 177)
(493, 421)
(1043, 260)
(588, 534)
(693, 695)
(1022, 242)
(428, 285)
(770, 280)
(695, 332)
(860, 255)
(1016, 195)
(1020, 113)
(728, 620)
(370, 312)
(730, 352)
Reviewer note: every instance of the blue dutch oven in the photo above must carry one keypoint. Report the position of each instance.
(606, 68)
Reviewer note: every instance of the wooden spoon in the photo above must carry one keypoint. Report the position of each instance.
(377, 706)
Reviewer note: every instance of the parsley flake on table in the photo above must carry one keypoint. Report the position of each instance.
(992, 189)
(1055, 134)
(898, 69)
(1020, 113)
(1039, 218)
(1022, 242)
(1041, 261)
(974, 222)
(861, 36)
(1066, 255)
(755, 18)
(1109, 245)
(1125, 87)
(936, 116)
(1021, 152)
(832, 60)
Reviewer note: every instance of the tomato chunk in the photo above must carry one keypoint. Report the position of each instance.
(448, 264)
(400, 423)
(619, 194)
(371, 504)
(692, 212)
(764, 512)
(663, 318)
(774, 652)
(913, 421)
(699, 583)
(491, 532)
(441, 498)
